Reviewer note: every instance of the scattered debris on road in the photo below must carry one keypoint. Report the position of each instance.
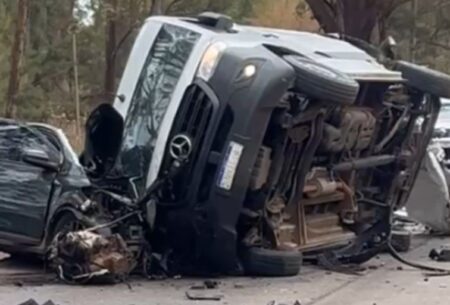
(207, 284)
(401, 241)
(430, 270)
(198, 295)
(238, 286)
(82, 256)
(33, 302)
(296, 302)
(440, 255)
(210, 284)
(207, 291)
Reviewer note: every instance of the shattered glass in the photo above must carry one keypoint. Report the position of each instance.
(157, 82)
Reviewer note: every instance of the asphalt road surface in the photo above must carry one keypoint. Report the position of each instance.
(383, 282)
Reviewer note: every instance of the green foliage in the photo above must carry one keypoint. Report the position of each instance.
(47, 83)
(47, 80)
(6, 21)
(423, 36)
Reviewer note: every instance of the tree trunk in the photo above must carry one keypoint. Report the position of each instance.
(360, 18)
(325, 14)
(110, 46)
(76, 85)
(413, 42)
(16, 58)
(156, 8)
(356, 18)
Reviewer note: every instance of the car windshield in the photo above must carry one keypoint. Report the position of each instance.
(157, 82)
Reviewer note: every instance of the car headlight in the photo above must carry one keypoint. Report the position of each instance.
(210, 59)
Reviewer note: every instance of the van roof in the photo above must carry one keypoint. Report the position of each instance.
(327, 50)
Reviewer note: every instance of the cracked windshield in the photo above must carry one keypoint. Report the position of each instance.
(159, 77)
(248, 152)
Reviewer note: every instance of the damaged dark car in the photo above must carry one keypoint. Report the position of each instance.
(41, 184)
(240, 150)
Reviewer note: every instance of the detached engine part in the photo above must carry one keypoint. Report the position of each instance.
(79, 257)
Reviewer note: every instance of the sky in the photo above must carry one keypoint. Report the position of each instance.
(85, 4)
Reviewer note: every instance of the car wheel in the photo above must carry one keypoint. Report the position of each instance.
(321, 82)
(268, 262)
(425, 79)
(68, 222)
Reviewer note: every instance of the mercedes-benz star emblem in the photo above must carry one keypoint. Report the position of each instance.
(180, 147)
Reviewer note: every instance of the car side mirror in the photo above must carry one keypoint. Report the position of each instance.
(40, 159)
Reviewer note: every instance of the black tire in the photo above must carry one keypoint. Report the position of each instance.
(321, 82)
(401, 241)
(68, 222)
(425, 79)
(267, 262)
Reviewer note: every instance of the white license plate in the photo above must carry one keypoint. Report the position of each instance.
(229, 165)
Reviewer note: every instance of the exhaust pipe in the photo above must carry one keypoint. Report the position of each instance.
(363, 163)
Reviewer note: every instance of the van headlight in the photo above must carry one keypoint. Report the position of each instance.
(210, 59)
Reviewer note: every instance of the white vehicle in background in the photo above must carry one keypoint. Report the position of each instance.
(442, 130)
(429, 202)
